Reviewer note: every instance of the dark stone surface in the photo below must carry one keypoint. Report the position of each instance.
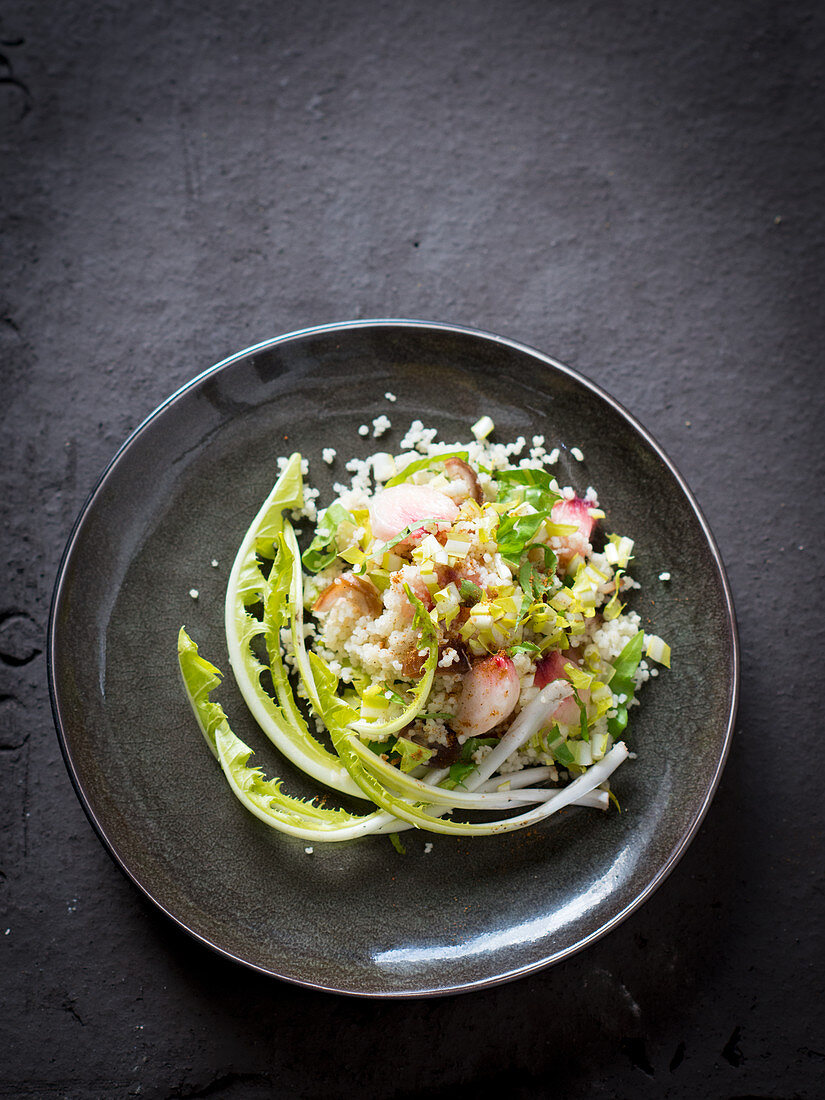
(635, 190)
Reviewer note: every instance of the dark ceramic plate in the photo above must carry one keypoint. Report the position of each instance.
(359, 917)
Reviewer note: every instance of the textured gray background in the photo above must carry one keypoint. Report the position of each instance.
(635, 189)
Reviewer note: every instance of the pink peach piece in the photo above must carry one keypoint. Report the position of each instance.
(489, 693)
(405, 505)
(576, 512)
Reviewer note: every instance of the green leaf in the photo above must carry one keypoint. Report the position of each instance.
(534, 582)
(382, 747)
(323, 549)
(378, 552)
(515, 532)
(625, 665)
(246, 581)
(281, 721)
(411, 754)
(562, 755)
(465, 763)
(423, 464)
(526, 476)
(618, 724)
(517, 487)
(551, 559)
(332, 709)
(289, 553)
(584, 732)
(199, 679)
(394, 697)
(261, 796)
(287, 495)
(276, 617)
(532, 486)
(622, 683)
(470, 592)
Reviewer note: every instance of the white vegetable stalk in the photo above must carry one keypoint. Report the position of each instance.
(583, 785)
(529, 721)
(592, 778)
(527, 777)
(414, 789)
(597, 800)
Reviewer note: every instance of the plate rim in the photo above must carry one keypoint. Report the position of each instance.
(729, 612)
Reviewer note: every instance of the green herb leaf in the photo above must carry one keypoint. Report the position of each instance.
(515, 532)
(516, 487)
(562, 755)
(618, 724)
(423, 464)
(584, 732)
(382, 747)
(532, 486)
(621, 682)
(394, 697)
(525, 476)
(378, 552)
(323, 549)
(551, 559)
(625, 665)
(465, 763)
(470, 592)
(533, 581)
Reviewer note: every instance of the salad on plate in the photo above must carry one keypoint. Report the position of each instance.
(453, 645)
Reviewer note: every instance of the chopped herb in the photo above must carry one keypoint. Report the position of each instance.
(622, 683)
(423, 464)
(381, 747)
(378, 552)
(395, 840)
(465, 763)
(533, 581)
(515, 532)
(562, 755)
(584, 732)
(470, 592)
(410, 754)
(323, 550)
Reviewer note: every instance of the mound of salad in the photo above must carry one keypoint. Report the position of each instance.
(452, 645)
